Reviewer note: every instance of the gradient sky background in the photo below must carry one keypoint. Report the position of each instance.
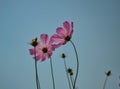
(96, 36)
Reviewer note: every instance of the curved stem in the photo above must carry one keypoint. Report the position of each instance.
(37, 78)
(67, 74)
(77, 64)
(105, 82)
(52, 73)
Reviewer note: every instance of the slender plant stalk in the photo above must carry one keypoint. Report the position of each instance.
(71, 78)
(36, 74)
(77, 64)
(37, 78)
(67, 74)
(52, 73)
(105, 82)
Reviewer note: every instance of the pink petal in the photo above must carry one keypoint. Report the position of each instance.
(71, 27)
(71, 32)
(61, 31)
(43, 57)
(66, 25)
(49, 54)
(31, 51)
(44, 38)
(57, 45)
(37, 57)
(57, 38)
(38, 48)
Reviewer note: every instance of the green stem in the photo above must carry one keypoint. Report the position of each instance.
(52, 73)
(37, 78)
(77, 64)
(72, 80)
(36, 74)
(67, 74)
(105, 82)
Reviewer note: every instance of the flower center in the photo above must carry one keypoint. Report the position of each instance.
(67, 38)
(45, 50)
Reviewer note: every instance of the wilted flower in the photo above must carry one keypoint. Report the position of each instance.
(64, 34)
(70, 71)
(108, 73)
(34, 42)
(44, 49)
(63, 55)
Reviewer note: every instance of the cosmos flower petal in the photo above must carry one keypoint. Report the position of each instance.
(57, 38)
(44, 38)
(31, 51)
(57, 45)
(71, 32)
(61, 31)
(66, 25)
(43, 57)
(49, 54)
(37, 57)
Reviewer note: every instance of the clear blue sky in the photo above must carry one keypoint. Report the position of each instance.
(96, 36)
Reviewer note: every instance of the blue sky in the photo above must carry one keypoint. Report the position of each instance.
(96, 36)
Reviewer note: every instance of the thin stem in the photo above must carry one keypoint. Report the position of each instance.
(52, 73)
(105, 82)
(77, 64)
(67, 74)
(37, 78)
(71, 80)
(36, 74)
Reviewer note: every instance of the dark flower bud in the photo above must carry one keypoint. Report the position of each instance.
(63, 55)
(70, 71)
(34, 42)
(108, 73)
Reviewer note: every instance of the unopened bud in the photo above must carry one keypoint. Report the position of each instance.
(108, 73)
(34, 42)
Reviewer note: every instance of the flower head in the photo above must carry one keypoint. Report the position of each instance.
(63, 34)
(63, 56)
(70, 71)
(44, 49)
(108, 73)
(34, 42)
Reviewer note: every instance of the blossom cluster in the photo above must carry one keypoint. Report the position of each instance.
(44, 49)
(48, 45)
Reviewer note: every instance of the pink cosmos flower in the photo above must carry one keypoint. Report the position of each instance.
(44, 49)
(63, 34)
